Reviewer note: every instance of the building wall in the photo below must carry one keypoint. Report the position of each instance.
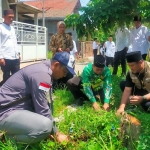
(51, 26)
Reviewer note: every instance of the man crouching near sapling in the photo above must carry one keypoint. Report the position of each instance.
(95, 81)
(26, 102)
(136, 88)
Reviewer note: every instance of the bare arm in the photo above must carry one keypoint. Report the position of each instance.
(124, 99)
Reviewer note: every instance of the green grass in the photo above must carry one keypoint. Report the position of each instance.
(87, 129)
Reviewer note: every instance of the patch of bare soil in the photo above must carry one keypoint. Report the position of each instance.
(82, 60)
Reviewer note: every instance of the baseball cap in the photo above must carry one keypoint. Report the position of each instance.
(66, 59)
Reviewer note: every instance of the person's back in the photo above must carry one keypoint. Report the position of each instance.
(23, 83)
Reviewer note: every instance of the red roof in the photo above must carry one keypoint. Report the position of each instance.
(57, 8)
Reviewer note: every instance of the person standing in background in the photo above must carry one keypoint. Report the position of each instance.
(110, 51)
(95, 47)
(74, 51)
(140, 37)
(102, 49)
(9, 55)
(61, 41)
(122, 44)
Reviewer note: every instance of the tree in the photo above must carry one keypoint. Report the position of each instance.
(106, 14)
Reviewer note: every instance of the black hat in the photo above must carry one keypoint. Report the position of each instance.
(137, 18)
(99, 61)
(8, 12)
(134, 57)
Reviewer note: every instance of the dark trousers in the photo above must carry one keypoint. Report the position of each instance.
(11, 67)
(61, 83)
(75, 86)
(144, 56)
(95, 52)
(109, 61)
(120, 57)
(145, 105)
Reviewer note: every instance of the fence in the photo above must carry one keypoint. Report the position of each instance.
(32, 41)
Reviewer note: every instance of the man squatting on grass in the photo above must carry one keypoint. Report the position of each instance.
(26, 103)
(94, 80)
(137, 85)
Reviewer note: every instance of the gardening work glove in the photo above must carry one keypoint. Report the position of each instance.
(96, 106)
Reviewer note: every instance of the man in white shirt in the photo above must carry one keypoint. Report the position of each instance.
(9, 55)
(95, 47)
(139, 37)
(122, 44)
(74, 51)
(110, 51)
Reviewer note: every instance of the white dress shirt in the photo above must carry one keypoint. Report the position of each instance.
(8, 42)
(74, 50)
(122, 38)
(95, 45)
(110, 49)
(139, 39)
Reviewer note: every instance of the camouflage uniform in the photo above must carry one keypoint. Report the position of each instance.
(63, 41)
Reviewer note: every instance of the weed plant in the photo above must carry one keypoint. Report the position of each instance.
(87, 129)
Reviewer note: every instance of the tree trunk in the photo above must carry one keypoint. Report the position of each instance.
(130, 131)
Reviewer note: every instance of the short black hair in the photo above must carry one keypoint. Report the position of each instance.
(95, 39)
(110, 36)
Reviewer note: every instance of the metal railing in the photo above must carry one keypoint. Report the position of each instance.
(29, 34)
(31, 39)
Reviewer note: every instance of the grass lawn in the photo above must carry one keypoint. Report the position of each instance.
(87, 129)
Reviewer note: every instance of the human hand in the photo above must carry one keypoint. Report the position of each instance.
(59, 49)
(60, 137)
(2, 62)
(19, 57)
(106, 106)
(135, 99)
(120, 111)
(96, 106)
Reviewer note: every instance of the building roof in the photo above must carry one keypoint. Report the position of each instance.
(25, 8)
(57, 8)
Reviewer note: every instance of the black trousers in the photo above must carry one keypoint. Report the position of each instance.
(144, 56)
(109, 61)
(61, 83)
(75, 86)
(95, 52)
(120, 57)
(11, 67)
(145, 105)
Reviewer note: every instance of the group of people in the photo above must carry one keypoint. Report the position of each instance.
(136, 39)
(26, 100)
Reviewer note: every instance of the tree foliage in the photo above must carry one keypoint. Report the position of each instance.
(106, 14)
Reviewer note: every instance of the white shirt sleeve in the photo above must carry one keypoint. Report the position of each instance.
(147, 33)
(74, 47)
(95, 46)
(128, 37)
